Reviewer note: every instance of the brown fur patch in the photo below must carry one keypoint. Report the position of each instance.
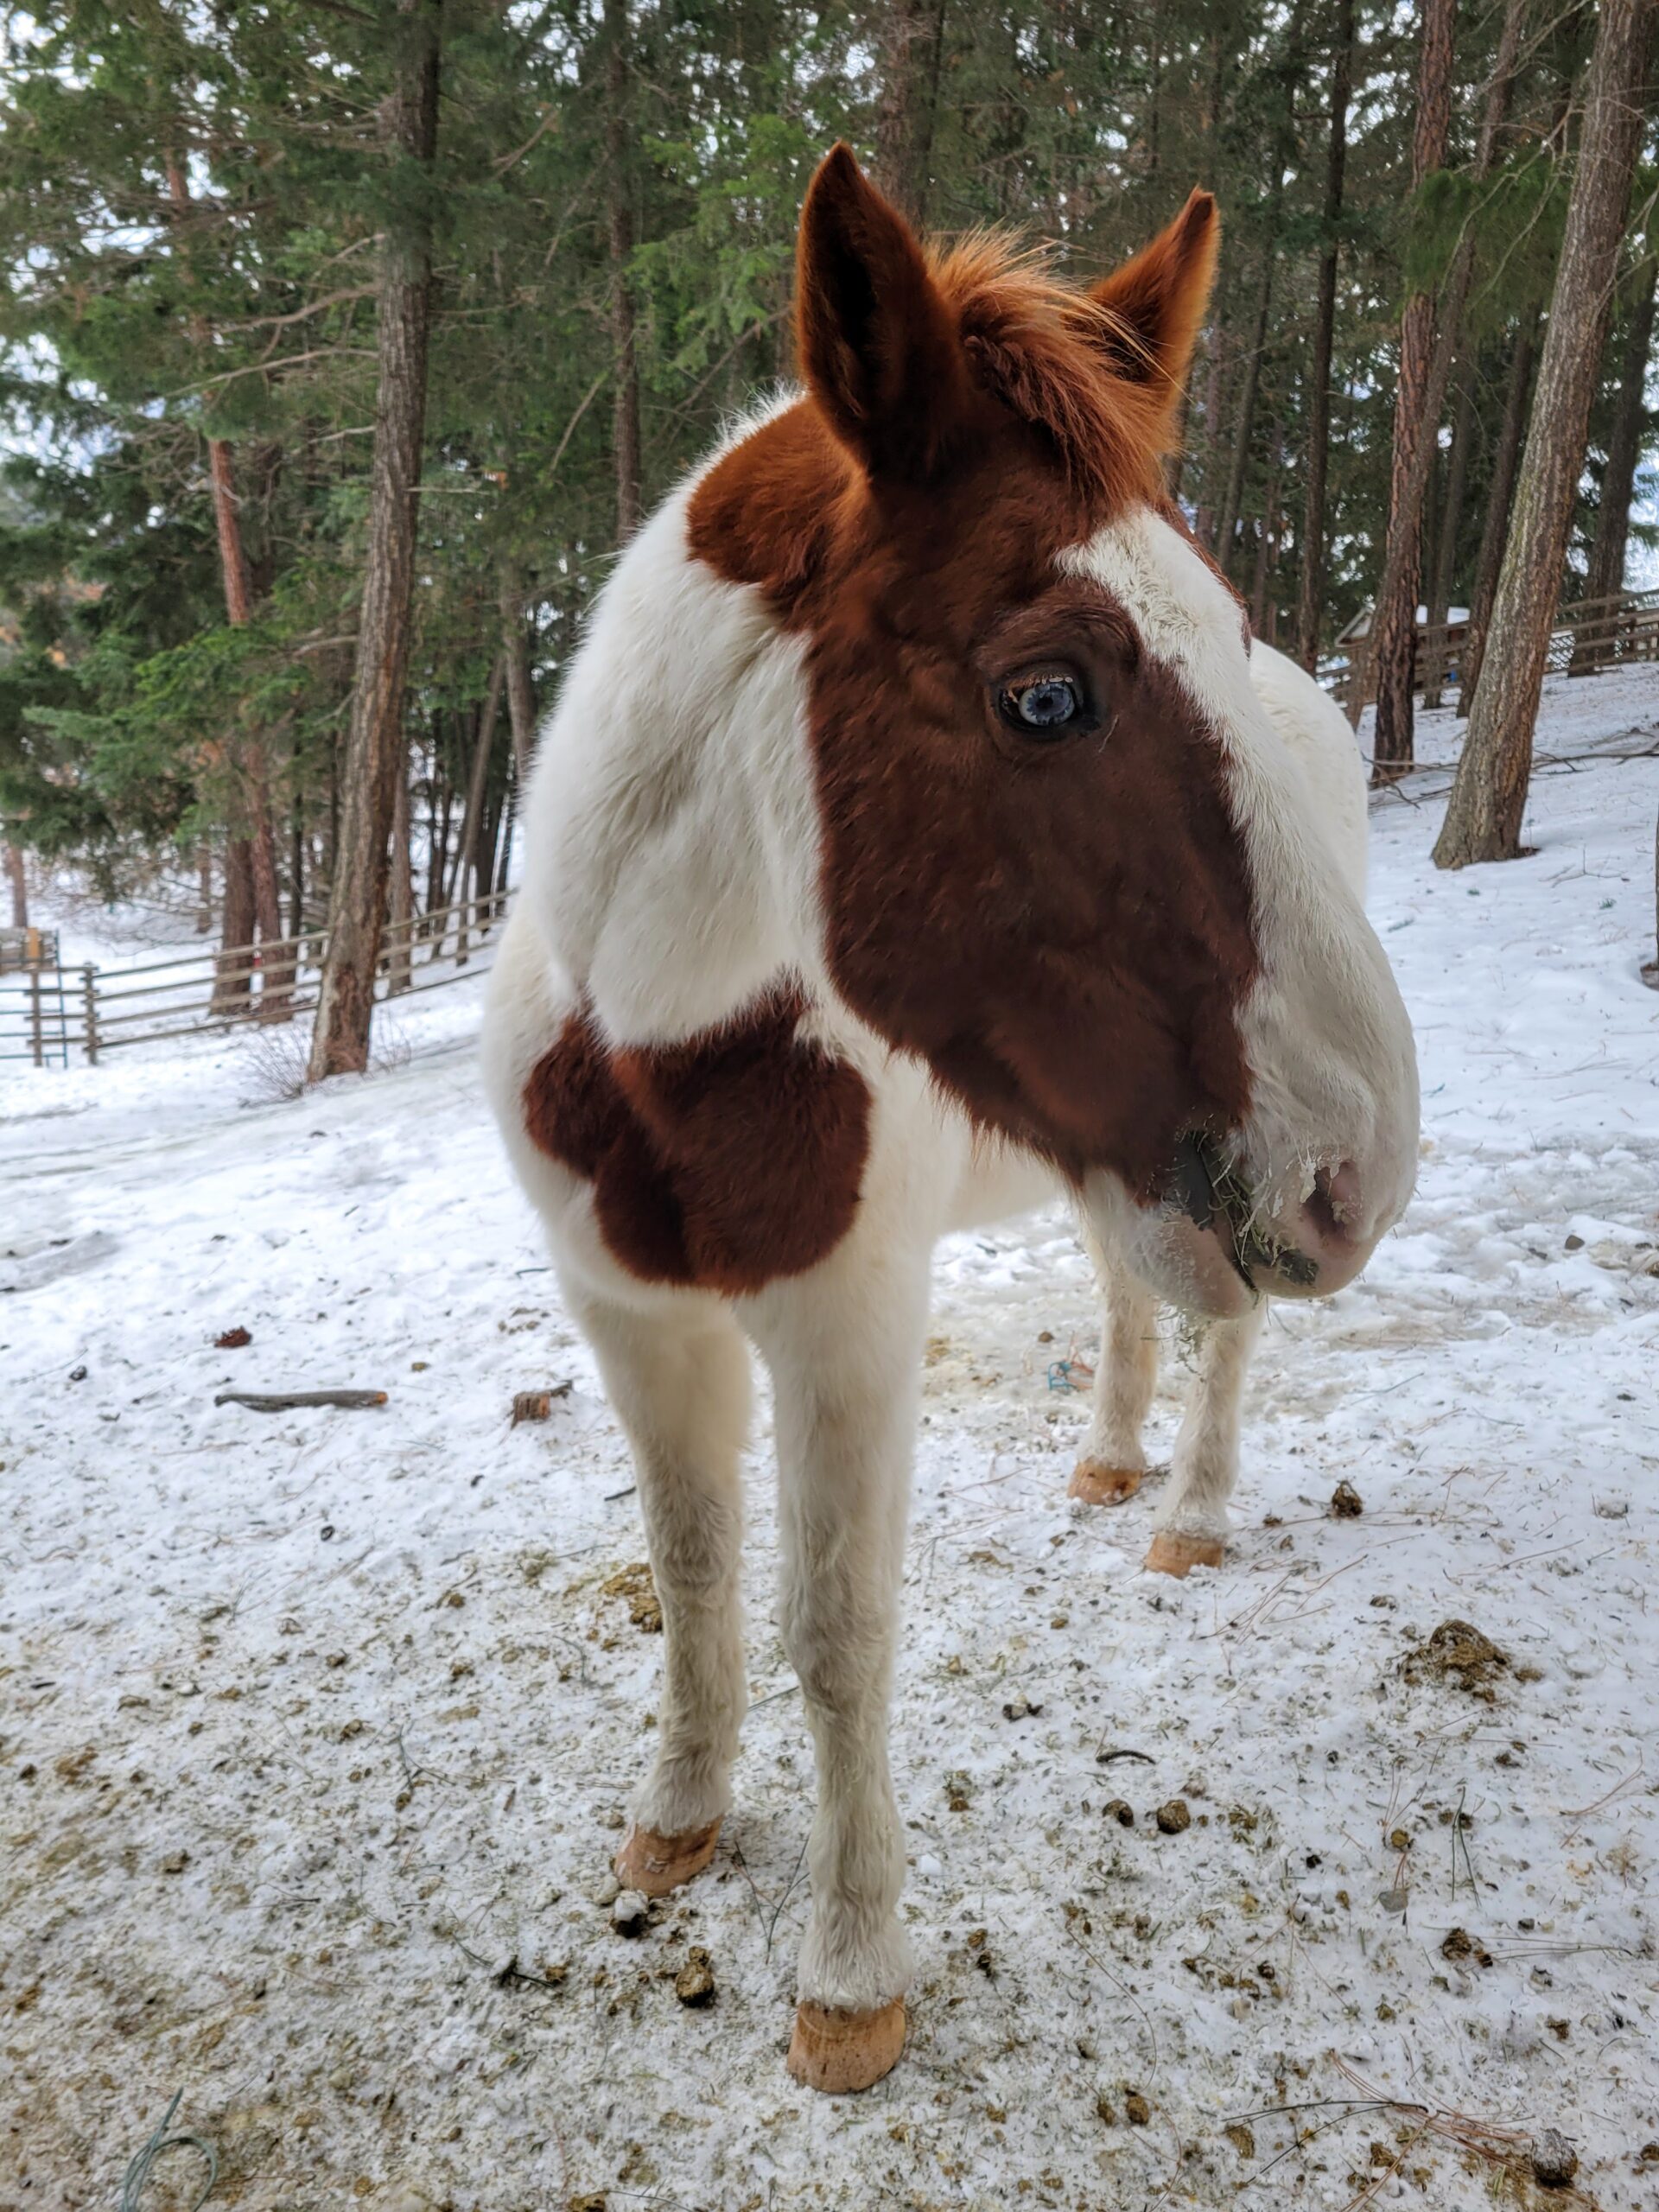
(722, 1163)
(1063, 932)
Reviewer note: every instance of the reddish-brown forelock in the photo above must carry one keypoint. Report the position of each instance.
(1063, 931)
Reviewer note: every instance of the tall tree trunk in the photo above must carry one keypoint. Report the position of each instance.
(1267, 545)
(1483, 816)
(1259, 564)
(504, 861)
(19, 882)
(1392, 640)
(400, 949)
(521, 698)
(1311, 593)
(1244, 428)
(1500, 499)
(1606, 574)
(276, 976)
(464, 730)
(375, 751)
(248, 754)
(1205, 518)
(438, 858)
(1284, 153)
(296, 870)
(1445, 553)
(909, 41)
(472, 860)
(495, 816)
(1214, 388)
(625, 409)
(331, 820)
(205, 883)
(232, 984)
(1393, 633)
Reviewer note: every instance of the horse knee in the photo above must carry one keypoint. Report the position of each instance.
(839, 1663)
(695, 1548)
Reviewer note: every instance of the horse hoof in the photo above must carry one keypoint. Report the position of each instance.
(656, 1863)
(1096, 1484)
(838, 2052)
(1173, 1554)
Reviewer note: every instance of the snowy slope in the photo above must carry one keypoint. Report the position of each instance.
(311, 1723)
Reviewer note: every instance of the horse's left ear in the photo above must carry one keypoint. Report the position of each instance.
(878, 347)
(1157, 301)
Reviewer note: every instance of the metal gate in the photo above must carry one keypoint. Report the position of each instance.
(34, 1021)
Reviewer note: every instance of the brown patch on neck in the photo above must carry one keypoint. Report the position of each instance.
(722, 1163)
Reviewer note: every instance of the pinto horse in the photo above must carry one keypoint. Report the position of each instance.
(917, 833)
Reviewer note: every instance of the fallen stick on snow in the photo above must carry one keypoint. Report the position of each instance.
(278, 1402)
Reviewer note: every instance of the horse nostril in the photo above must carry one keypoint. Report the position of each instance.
(1333, 1208)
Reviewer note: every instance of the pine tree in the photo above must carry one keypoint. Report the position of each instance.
(375, 748)
(1606, 575)
(1482, 818)
(1391, 643)
(1312, 587)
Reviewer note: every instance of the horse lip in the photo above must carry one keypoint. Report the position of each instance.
(1294, 1266)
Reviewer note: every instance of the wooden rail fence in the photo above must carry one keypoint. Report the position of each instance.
(208, 990)
(1590, 635)
(34, 1023)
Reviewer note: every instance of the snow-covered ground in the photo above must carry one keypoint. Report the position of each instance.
(315, 1727)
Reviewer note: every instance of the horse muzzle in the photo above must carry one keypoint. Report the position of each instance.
(1308, 1248)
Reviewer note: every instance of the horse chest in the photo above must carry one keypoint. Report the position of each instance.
(722, 1163)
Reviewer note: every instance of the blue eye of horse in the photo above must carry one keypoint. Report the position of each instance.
(1046, 704)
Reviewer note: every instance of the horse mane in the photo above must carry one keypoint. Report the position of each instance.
(1061, 360)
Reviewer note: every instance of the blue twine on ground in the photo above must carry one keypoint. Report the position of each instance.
(1059, 1376)
(138, 2172)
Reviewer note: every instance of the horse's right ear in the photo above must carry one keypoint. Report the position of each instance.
(878, 347)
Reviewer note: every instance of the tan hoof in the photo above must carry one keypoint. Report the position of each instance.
(838, 2052)
(656, 1863)
(1096, 1484)
(1171, 1554)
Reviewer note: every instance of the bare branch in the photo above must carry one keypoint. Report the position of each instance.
(299, 315)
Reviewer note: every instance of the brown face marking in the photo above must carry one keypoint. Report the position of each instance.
(1063, 930)
(722, 1163)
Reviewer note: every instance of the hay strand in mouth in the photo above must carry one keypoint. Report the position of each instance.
(1209, 1184)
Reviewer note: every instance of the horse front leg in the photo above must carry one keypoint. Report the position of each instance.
(845, 1353)
(1113, 1461)
(679, 1382)
(1190, 1527)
